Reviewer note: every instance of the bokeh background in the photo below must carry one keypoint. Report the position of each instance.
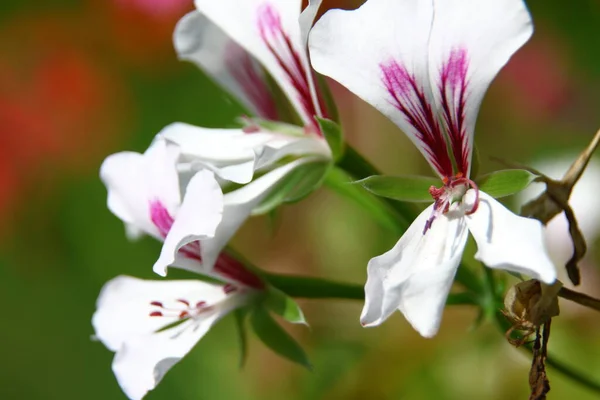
(82, 79)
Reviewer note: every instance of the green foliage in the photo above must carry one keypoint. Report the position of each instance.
(409, 188)
(274, 337)
(240, 318)
(505, 182)
(297, 185)
(334, 136)
(284, 306)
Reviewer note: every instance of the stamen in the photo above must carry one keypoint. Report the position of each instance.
(177, 311)
(444, 196)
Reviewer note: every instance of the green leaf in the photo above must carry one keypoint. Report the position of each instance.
(403, 188)
(334, 136)
(277, 339)
(297, 185)
(284, 306)
(240, 317)
(505, 182)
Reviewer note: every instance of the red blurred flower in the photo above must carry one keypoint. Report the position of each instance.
(58, 108)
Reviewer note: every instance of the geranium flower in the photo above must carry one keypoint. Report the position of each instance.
(267, 39)
(241, 44)
(189, 212)
(426, 65)
(151, 325)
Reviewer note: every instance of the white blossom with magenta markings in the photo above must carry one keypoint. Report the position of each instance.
(267, 38)
(239, 42)
(192, 215)
(426, 65)
(151, 325)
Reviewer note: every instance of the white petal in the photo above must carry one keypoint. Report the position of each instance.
(424, 64)
(233, 154)
(197, 219)
(507, 241)
(123, 307)
(203, 43)
(307, 18)
(227, 152)
(141, 363)
(416, 275)
(356, 48)
(238, 206)
(123, 323)
(270, 31)
(134, 181)
(471, 40)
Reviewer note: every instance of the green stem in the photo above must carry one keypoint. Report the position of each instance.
(316, 288)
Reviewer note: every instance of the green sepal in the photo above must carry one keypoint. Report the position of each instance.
(275, 337)
(333, 134)
(295, 186)
(408, 188)
(331, 110)
(240, 319)
(505, 182)
(273, 126)
(284, 306)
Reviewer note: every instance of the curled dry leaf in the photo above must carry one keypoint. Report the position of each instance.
(529, 305)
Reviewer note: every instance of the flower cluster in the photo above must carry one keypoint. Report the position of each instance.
(423, 63)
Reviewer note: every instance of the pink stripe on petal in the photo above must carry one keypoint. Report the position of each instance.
(231, 268)
(251, 79)
(453, 91)
(410, 99)
(279, 44)
(160, 217)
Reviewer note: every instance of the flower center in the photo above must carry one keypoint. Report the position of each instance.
(452, 190)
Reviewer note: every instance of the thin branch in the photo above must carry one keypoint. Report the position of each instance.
(579, 298)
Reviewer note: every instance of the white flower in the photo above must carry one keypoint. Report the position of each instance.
(151, 325)
(231, 39)
(191, 215)
(264, 37)
(426, 64)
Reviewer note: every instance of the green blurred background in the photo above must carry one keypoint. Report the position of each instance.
(82, 79)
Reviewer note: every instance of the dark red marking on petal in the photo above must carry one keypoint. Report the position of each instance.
(156, 304)
(251, 78)
(281, 47)
(453, 94)
(229, 288)
(232, 269)
(183, 301)
(160, 217)
(410, 99)
(156, 314)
